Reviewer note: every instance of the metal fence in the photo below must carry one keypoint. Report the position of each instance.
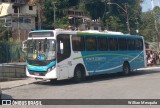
(11, 52)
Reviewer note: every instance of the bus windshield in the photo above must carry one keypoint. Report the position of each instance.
(41, 49)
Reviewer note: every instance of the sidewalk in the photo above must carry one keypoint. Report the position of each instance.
(16, 83)
(150, 67)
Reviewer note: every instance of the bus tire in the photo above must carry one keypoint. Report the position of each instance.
(126, 69)
(79, 74)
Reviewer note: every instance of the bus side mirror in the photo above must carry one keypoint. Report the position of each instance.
(61, 47)
(24, 46)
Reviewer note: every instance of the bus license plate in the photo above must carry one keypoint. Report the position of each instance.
(35, 73)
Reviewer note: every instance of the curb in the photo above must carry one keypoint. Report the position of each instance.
(149, 68)
(13, 84)
(6, 88)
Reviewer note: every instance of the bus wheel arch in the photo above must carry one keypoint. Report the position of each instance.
(126, 68)
(79, 73)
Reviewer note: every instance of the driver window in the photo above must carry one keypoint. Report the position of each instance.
(62, 54)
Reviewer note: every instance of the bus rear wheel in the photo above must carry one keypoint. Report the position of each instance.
(79, 74)
(126, 68)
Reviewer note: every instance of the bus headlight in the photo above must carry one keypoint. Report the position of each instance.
(53, 67)
(50, 69)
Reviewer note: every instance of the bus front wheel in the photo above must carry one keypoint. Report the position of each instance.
(79, 74)
(126, 68)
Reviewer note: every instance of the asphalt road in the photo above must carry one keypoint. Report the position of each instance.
(142, 84)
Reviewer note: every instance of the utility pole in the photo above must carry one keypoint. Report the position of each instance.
(137, 30)
(39, 15)
(127, 18)
(54, 13)
(155, 23)
(18, 23)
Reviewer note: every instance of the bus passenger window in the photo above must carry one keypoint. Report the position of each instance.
(91, 43)
(131, 44)
(112, 44)
(139, 44)
(78, 43)
(122, 44)
(102, 44)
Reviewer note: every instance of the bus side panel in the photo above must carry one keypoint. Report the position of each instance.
(77, 59)
(104, 62)
(138, 61)
(101, 62)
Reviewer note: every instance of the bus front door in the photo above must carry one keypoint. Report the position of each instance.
(63, 55)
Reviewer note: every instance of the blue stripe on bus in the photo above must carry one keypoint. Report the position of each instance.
(41, 68)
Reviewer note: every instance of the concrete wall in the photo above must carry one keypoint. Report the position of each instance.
(25, 10)
(12, 71)
(23, 24)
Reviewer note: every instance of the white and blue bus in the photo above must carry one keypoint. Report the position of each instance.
(63, 54)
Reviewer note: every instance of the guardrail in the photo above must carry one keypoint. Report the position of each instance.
(12, 71)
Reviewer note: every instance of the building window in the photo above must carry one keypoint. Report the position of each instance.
(21, 19)
(95, 28)
(30, 7)
(27, 20)
(14, 20)
(13, 1)
(16, 9)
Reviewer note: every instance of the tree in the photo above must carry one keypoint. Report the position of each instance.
(133, 9)
(62, 7)
(95, 9)
(113, 23)
(148, 24)
(4, 32)
(147, 27)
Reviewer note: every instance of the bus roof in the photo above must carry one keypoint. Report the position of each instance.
(110, 33)
(88, 32)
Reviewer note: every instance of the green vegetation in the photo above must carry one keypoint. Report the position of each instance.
(95, 9)
(111, 16)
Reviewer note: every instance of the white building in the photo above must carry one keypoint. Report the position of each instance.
(19, 15)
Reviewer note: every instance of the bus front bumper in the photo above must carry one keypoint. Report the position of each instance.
(37, 75)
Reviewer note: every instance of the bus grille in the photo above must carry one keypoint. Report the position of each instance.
(41, 73)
